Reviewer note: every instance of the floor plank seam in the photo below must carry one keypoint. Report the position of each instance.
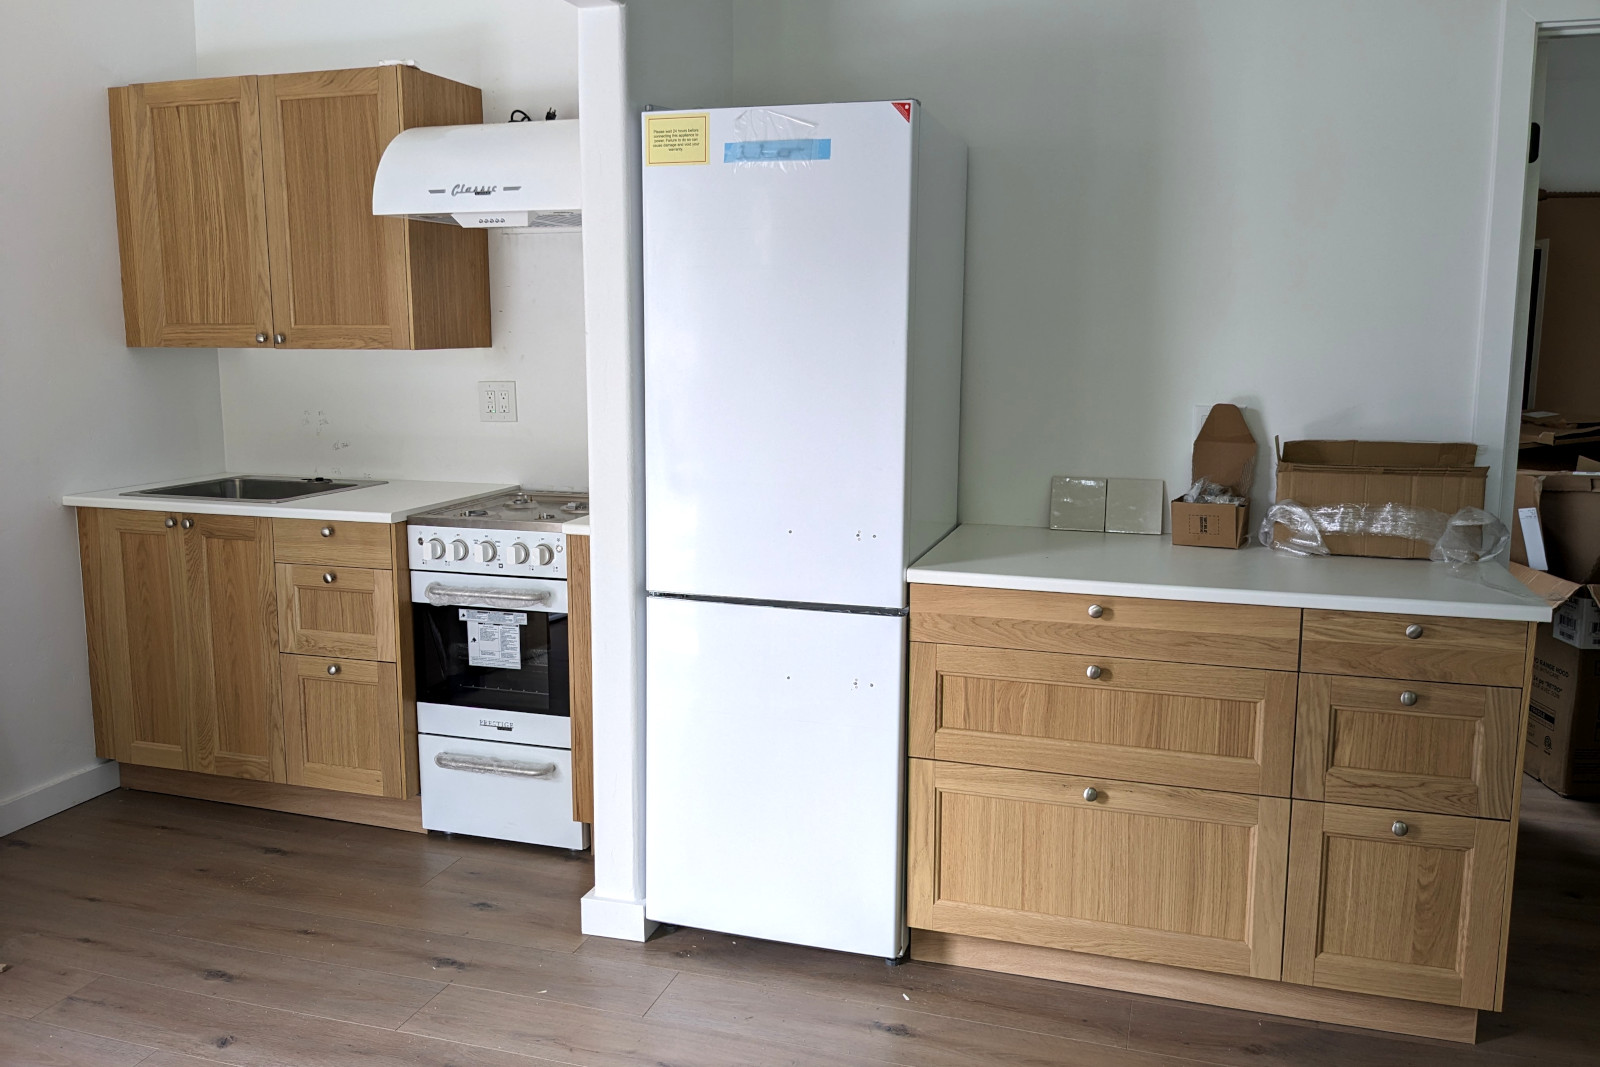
(657, 1000)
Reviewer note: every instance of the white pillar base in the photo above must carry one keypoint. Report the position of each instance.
(621, 919)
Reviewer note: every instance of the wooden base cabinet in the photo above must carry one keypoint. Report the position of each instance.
(182, 631)
(1081, 785)
(342, 725)
(1396, 903)
(1186, 877)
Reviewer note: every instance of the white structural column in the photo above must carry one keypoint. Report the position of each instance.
(615, 906)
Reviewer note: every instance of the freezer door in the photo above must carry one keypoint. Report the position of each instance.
(776, 316)
(773, 773)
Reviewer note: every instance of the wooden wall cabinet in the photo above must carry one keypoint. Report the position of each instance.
(244, 215)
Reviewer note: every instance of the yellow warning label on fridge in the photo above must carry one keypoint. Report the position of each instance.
(676, 139)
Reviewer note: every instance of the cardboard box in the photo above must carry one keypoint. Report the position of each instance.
(1564, 717)
(1555, 533)
(1421, 474)
(1225, 453)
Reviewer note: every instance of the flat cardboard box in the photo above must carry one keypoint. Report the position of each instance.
(1225, 453)
(1564, 717)
(1418, 473)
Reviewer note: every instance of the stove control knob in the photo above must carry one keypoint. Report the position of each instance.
(486, 552)
(519, 553)
(458, 549)
(435, 548)
(547, 555)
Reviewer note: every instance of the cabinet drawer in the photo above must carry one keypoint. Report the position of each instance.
(1423, 746)
(1176, 631)
(1225, 728)
(1415, 915)
(1184, 877)
(1426, 647)
(337, 611)
(332, 544)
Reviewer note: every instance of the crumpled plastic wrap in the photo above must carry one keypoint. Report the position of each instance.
(1205, 491)
(1468, 536)
(768, 139)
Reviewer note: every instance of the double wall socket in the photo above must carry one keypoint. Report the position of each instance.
(497, 401)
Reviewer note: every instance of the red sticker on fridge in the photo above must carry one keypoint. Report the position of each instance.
(904, 107)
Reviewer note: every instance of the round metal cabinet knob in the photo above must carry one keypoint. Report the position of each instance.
(328, 577)
(171, 522)
(1094, 671)
(333, 668)
(1095, 611)
(1091, 793)
(1414, 631)
(261, 338)
(188, 524)
(326, 531)
(279, 338)
(1400, 829)
(1408, 698)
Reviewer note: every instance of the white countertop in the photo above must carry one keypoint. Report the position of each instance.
(393, 501)
(578, 527)
(1033, 558)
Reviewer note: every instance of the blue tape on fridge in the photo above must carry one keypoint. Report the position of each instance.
(777, 151)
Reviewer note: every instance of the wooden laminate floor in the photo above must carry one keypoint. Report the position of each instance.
(155, 930)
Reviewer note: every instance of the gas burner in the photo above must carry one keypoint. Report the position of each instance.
(515, 510)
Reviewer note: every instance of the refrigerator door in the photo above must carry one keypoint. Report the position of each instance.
(774, 761)
(776, 316)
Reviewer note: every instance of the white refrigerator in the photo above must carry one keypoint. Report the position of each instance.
(802, 323)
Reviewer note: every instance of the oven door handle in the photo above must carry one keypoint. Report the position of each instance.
(505, 768)
(444, 596)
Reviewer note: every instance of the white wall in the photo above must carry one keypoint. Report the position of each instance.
(78, 410)
(414, 414)
(1569, 153)
(1183, 202)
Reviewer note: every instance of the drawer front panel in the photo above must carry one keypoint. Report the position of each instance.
(1175, 631)
(1184, 877)
(345, 544)
(1415, 915)
(1422, 746)
(1471, 651)
(343, 725)
(1223, 728)
(337, 611)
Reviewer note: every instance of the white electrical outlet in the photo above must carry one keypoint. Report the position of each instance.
(497, 401)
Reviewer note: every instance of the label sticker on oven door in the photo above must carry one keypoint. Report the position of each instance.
(494, 638)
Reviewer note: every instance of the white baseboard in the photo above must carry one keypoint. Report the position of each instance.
(621, 919)
(69, 790)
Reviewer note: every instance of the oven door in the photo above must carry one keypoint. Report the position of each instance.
(487, 644)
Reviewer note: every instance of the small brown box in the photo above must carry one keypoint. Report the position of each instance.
(1417, 473)
(1225, 453)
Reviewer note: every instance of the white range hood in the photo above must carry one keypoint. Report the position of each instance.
(489, 175)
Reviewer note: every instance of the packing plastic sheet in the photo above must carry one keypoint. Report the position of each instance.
(1206, 491)
(1468, 536)
(769, 139)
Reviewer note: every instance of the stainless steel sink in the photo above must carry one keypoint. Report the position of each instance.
(261, 488)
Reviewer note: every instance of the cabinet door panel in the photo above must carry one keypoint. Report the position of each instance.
(1184, 877)
(191, 214)
(342, 725)
(1223, 728)
(338, 271)
(237, 724)
(1415, 915)
(337, 611)
(1453, 749)
(143, 676)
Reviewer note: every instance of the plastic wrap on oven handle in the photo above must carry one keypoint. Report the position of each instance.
(443, 596)
(498, 765)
